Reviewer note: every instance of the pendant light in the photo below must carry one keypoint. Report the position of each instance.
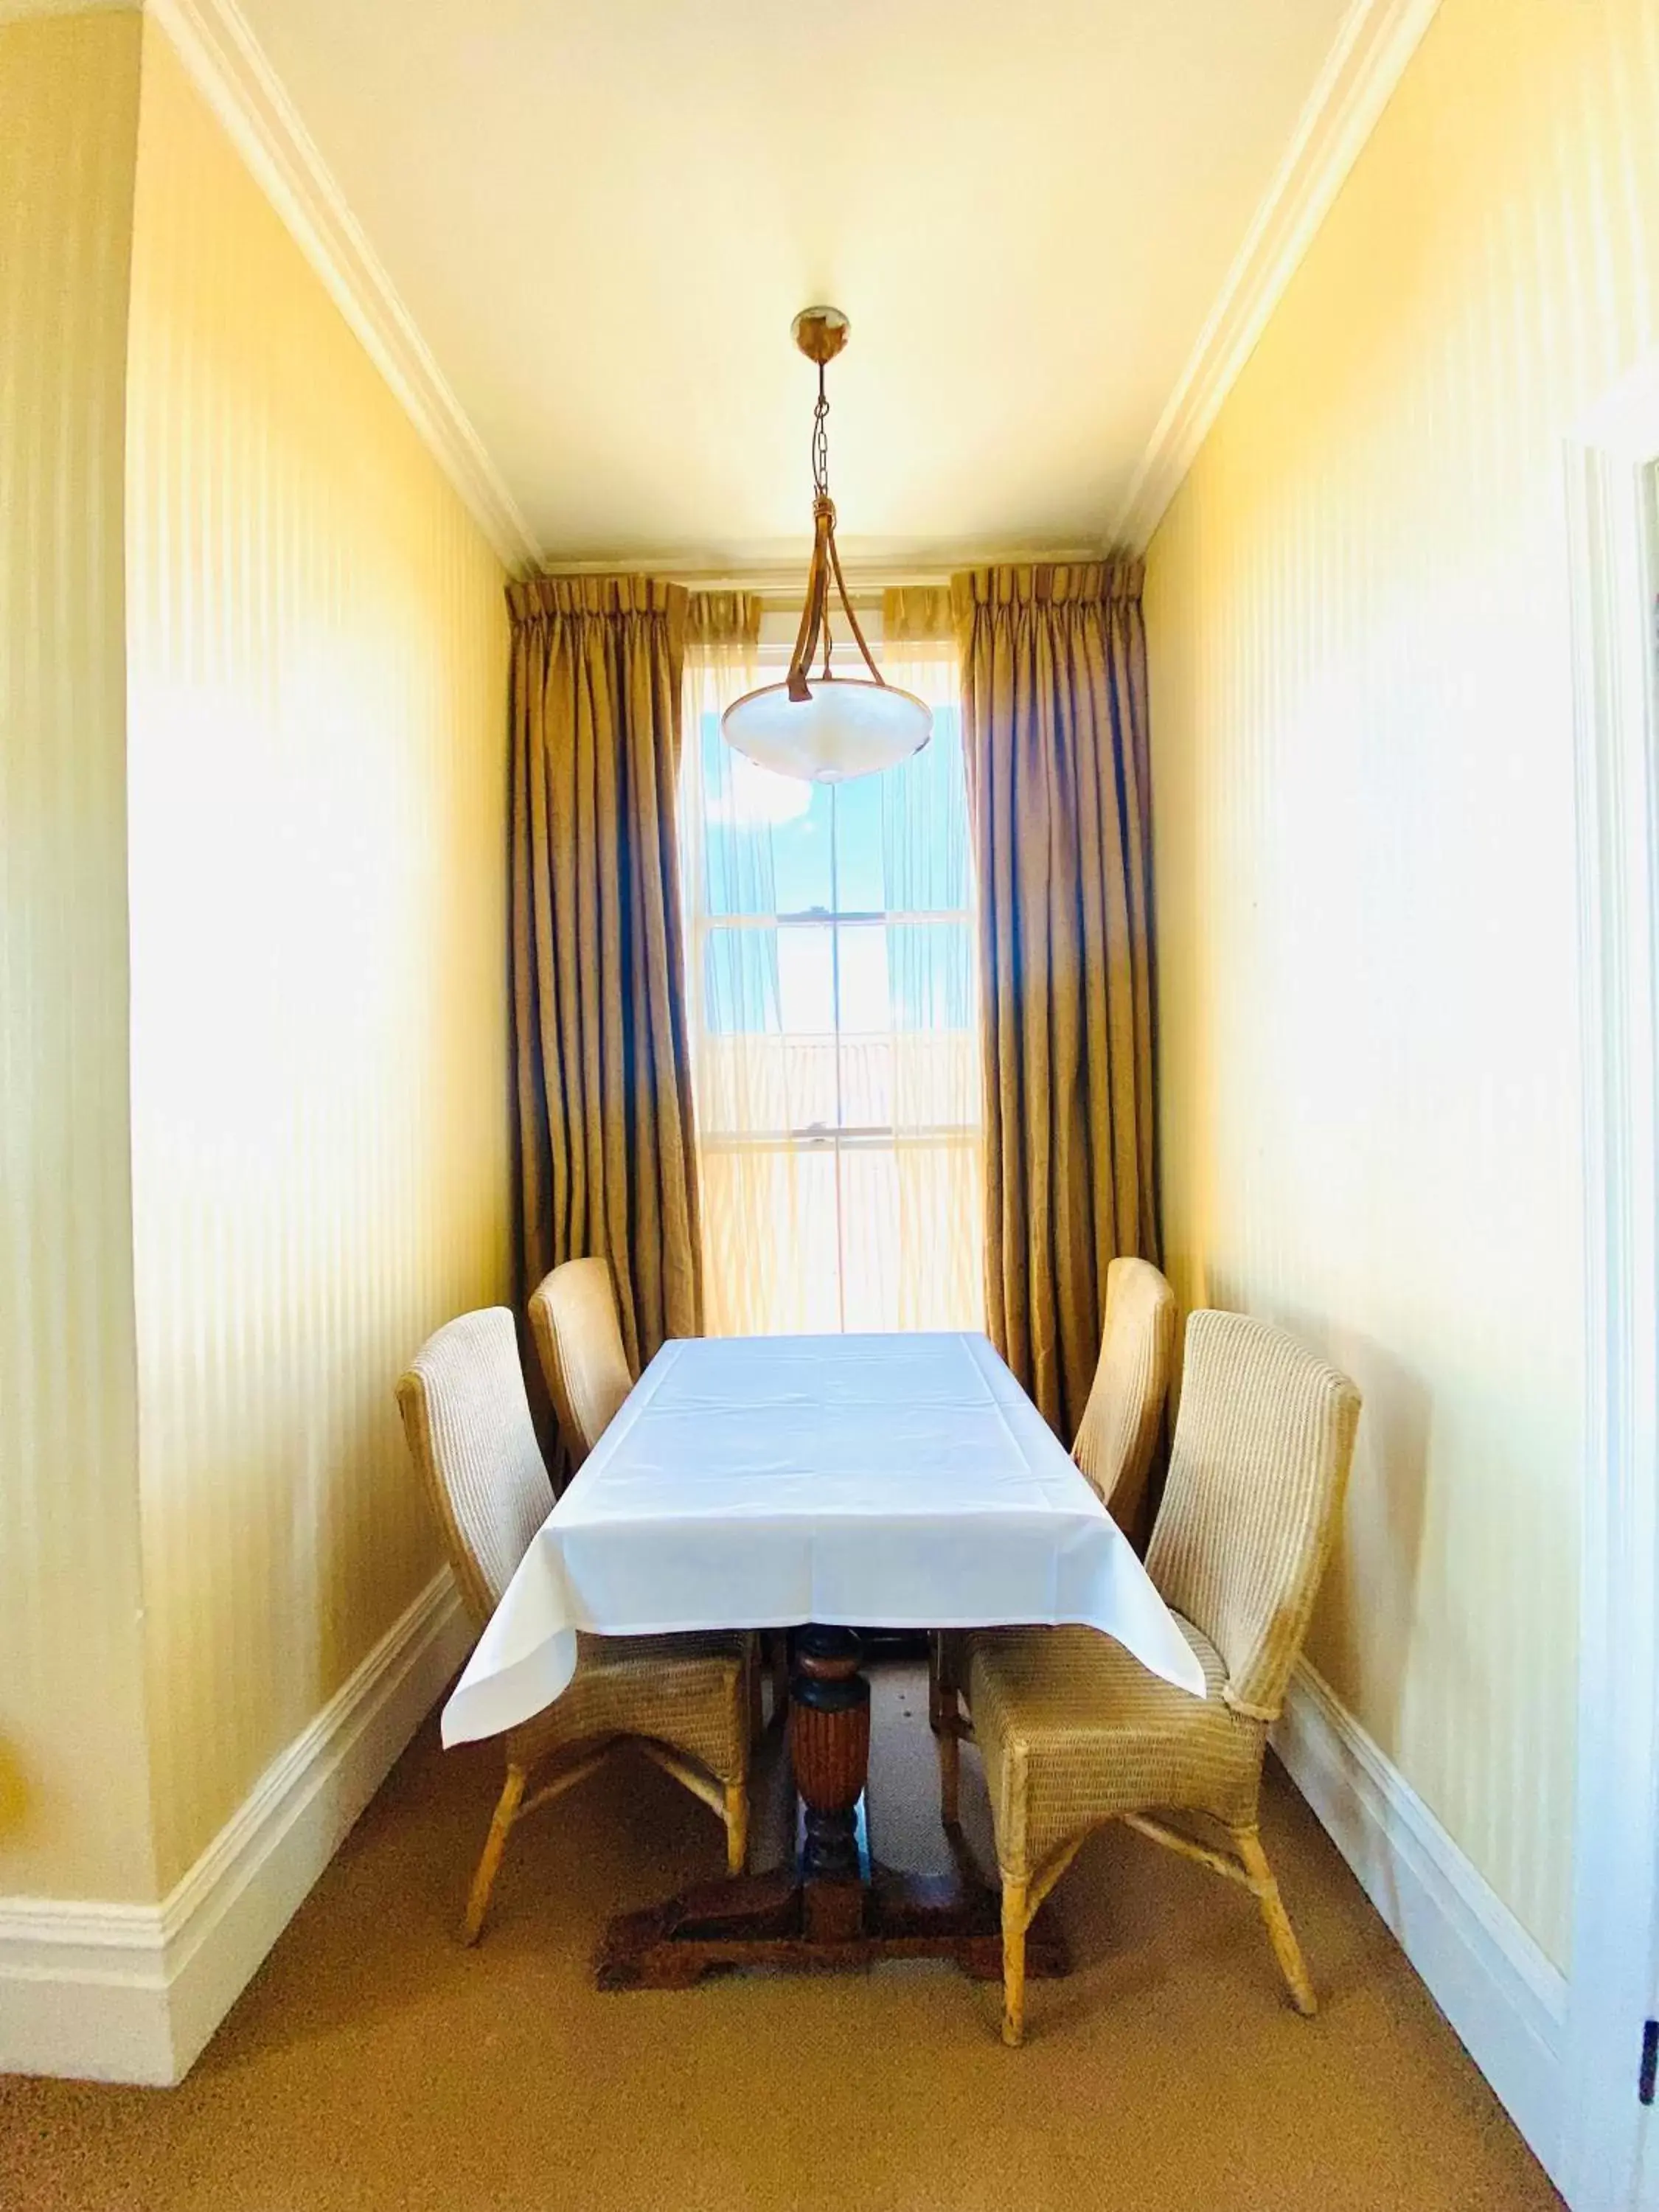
(826, 728)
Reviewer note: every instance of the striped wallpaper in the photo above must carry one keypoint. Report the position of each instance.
(1358, 608)
(317, 782)
(74, 1813)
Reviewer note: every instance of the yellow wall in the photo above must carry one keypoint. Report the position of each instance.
(74, 1813)
(318, 790)
(1358, 608)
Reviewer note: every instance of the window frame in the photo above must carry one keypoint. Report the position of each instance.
(839, 1138)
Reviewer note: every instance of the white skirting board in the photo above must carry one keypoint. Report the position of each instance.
(132, 1992)
(1503, 1997)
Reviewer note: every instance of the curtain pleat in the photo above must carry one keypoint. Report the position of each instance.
(726, 625)
(606, 1160)
(917, 622)
(1053, 677)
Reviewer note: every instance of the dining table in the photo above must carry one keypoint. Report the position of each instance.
(816, 1484)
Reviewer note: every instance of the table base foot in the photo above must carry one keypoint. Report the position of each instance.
(775, 1920)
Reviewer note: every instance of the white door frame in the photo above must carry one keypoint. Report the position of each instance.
(1609, 2150)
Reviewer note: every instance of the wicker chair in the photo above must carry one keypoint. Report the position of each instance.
(1074, 1732)
(574, 1320)
(1119, 1429)
(578, 1341)
(1113, 1450)
(683, 1698)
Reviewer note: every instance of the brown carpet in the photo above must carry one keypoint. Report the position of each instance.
(373, 2062)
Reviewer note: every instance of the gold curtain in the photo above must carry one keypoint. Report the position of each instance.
(606, 1161)
(1054, 678)
(917, 622)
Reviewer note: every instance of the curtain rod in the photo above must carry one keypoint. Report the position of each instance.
(781, 579)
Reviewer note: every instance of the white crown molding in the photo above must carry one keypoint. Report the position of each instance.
(225, 60)
(114, 1992)
(1506, 2000)
(1375, 42)
(24, 11)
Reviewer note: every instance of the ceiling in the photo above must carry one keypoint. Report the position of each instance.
(602, 215)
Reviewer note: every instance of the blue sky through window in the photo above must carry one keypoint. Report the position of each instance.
(893, 844)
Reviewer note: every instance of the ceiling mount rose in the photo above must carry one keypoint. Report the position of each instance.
(825, 728)
(821, 332)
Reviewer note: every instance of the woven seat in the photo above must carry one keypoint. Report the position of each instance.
(683, 1698)
(1113, 1448)
(680, 1684)
(1075, 1732)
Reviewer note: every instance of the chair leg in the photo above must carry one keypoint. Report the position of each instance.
(945, 1718)
(737, 1827)
(1280, 1933)
(484, 1880)
(1014, 1920)
(949, 1740)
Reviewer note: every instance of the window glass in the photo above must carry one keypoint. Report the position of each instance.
(831, 967)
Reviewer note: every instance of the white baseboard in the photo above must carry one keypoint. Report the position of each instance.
(1503, 1997)
(132, 1992)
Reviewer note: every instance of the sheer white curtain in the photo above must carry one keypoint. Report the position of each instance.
(833, 997)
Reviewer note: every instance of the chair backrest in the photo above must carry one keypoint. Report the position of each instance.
(1119, 1430)
(1257, 1472)
(468, 1423)
(574, 1320)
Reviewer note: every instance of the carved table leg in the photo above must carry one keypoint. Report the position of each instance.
(830, 1748)
(834, 1909)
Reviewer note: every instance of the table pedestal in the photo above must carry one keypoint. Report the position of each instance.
(834, 1907)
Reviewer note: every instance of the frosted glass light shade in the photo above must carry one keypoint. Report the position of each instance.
(847, 728)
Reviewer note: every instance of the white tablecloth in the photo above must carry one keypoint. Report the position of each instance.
(759, 1482)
